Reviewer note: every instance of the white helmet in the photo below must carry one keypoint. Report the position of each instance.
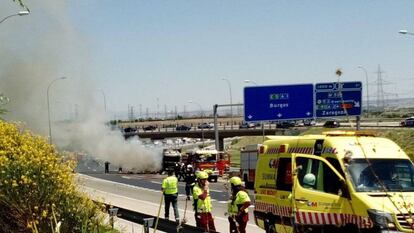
(309, 179)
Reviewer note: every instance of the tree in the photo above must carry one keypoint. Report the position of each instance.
(38, 192)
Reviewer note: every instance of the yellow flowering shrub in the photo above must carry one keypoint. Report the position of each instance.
(37, 188)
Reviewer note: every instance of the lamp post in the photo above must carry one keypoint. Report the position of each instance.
(250, 81)
(48, 107)
(104, 98)
(20, 13)
(406, 32)
(366, 81)
(202, 119)
(231, 101)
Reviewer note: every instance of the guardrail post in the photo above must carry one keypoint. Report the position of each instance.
(148, 223)
(112, 213)
(358, 122)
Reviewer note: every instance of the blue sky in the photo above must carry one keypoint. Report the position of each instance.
(138, 51)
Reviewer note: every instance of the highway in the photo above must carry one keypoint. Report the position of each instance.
(224, 126)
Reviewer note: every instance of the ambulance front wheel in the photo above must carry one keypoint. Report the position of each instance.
(269, 225)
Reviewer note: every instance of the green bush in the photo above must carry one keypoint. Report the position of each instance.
(37, 188)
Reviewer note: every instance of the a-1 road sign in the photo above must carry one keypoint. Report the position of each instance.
(338, 99)
(273, 103)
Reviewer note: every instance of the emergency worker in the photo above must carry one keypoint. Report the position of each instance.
(190, 179)
(177, 170)
(107, 167)
(170, 191)
(309, 181)
(238, 207)
(202, 203)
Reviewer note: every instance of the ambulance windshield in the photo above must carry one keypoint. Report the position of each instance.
(379, 175)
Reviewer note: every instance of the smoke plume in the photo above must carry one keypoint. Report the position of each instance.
(40, 48)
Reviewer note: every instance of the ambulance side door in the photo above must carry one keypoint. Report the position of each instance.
(319, 195)
(284, 183)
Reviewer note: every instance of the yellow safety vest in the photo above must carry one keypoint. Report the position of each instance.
(241, 198)
(170, 185)
(203, 206)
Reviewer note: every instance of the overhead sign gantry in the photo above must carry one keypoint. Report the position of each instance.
(272, 103)
(302, 101)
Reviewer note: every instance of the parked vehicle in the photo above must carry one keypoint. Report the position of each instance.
(248, 160)
(183, 128)
(309, 122)
(205, 125)
(409, 122)
(247, 125)
(130, 130)
(150, 127)
(331, 124)
(285, 124)
(340, 181)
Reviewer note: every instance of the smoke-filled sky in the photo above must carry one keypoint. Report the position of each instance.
(163, 53)
(44, 46)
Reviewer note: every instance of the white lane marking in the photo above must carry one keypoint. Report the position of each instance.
(131, 186)
(126, 177)
(116, 183)
(124, 197)
(218, 191)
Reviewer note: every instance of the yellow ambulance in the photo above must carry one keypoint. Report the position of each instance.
(338, 181)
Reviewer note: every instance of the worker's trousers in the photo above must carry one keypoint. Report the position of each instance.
(171, 199)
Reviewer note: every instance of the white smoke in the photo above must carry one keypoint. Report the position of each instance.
(48, 48)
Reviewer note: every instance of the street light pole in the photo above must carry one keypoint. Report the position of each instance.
(231, 101)
(406, 32)
(202, 119)
(366, 80)
(48, 107)
(250, 81)
(104, 98)
(21, 13)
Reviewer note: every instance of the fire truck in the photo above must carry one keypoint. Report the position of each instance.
(213, 161)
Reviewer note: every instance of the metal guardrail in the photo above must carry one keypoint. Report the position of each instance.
(142, 219)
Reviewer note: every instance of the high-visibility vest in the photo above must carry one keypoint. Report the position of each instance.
(202, 206)
(241, 198)
(170, 185)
